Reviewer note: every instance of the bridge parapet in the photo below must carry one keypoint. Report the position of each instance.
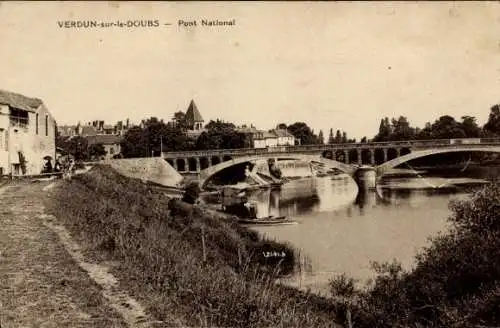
(413, 144)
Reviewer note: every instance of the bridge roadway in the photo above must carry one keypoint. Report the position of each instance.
(374, 153)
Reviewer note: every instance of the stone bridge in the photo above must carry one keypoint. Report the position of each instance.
(348, 157)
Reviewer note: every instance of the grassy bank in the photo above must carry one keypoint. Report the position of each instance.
(456, 280)
(180, 263)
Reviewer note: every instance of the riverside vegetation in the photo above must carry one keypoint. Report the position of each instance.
(455, 281)
(182, 263)
(211, 272)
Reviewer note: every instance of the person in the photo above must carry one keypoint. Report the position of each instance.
(71, 168)
(57, 166)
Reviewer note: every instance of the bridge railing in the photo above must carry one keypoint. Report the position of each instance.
(341, 146)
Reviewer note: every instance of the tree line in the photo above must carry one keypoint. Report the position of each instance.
(154, 135)
(445, 127)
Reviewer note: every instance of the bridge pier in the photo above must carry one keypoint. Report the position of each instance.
(372, 156)
(385, 154)
(346, 156)
(365, 177)
(360, 158)
(198, 165)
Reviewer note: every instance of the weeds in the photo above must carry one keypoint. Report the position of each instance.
(201, 270)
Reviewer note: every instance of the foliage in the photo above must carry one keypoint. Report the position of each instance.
(180, 120)
(221, 135)
(76, 146)
(152, 137)
(303, 132)
(455, 282)
(321, 139)
(160, 256)
(95, 151)
(446, 127)
(492, 126)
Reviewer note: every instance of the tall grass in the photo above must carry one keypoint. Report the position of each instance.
(184, 264)
(456, 280)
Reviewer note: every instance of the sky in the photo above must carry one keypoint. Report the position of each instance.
(333, 65)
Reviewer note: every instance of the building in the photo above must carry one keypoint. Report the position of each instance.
(97, 132)
(27, 134)
(93, 128)
(110, 142)
(285, 138)
(194, 121)
(272, 138)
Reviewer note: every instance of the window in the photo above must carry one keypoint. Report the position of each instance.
(36, 123)
(46, 125)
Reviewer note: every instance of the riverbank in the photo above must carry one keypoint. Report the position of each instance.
(183, 262)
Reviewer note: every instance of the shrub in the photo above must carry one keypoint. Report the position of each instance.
(455, 282)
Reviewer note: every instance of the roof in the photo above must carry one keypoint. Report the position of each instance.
(265, 135)
(194, 133)
(247, 130)
(88, 130)
(283, 133)
(19, 101)
(192, 113)
(105, 139)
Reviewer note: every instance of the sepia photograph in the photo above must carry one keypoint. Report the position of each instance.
(249, 164)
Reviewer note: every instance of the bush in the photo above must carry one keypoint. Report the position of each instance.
(456, 280)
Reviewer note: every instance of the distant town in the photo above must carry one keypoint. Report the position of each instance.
(29, 134)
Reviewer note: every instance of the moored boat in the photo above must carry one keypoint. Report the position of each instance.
(270, 220)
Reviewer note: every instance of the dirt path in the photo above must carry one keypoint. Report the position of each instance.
(44, 279)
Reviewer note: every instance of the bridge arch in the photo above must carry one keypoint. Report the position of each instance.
(382, 169)
(209, 172)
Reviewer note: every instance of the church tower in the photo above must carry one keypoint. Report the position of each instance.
(194, 120)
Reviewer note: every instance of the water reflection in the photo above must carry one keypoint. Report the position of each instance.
(304, 196)
(342, 229)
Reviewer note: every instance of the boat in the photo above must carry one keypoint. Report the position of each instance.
(267, 221)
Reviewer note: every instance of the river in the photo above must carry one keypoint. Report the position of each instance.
(341, 230)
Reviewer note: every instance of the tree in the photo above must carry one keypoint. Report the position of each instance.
(321, 139)
(395, 129)
(282, 126)
(301, 131)
(492, 126)
(221, 135)
(152, 137)
(180, 120)
(133, 143)
(425, 133)
(401, 129)
(445, 128)
(78, 147)
(96, 151)
(331, 139)
(470, 127)
(384, 131)
(338, 137)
